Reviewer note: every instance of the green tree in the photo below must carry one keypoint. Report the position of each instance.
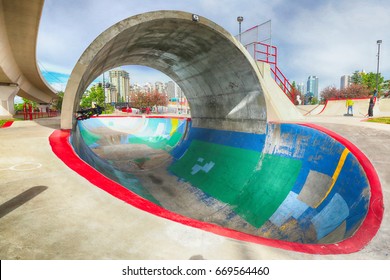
(58, 103)
(369, 80)
(94, 95)
(86, 100)
(108, 109)
(18, 107)
(314, 101)
(357, 78)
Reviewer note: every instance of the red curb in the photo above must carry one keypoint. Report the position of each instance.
(7, 124)
(144, 116)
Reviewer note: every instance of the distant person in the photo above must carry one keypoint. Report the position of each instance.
(371, 105)
(349, 104)
(299, 100)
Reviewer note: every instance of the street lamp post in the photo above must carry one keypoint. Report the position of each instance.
(239, 19)
(379, 42)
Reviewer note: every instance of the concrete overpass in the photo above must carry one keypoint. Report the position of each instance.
(19, 73)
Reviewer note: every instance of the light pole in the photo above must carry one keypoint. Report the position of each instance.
(379, 42)
(239, 19)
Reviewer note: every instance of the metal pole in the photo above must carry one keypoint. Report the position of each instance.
(379, 42)
(239, 19)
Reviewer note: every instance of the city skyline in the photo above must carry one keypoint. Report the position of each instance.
(118, 86)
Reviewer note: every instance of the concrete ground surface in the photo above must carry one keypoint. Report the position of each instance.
(47, 211)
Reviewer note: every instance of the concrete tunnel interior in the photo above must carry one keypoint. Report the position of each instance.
(300, 199)
(215, 72)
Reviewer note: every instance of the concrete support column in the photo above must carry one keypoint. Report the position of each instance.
(7, 95)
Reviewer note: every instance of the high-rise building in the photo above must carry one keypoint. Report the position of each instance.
(148, 88)
(171, 89)
(312, 87)
(345, 81)
(159, 86)
(301, 88)
(120, 80)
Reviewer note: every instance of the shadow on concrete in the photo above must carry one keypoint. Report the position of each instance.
(53, 122)
(20, 199)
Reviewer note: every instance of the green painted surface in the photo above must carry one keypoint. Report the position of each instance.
(253, 184)
(267, 189)
(89, 137)
(232, 168)
(174, 139)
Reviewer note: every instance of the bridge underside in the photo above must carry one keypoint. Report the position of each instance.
(19, 74)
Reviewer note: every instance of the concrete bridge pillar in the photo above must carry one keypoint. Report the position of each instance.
(7, 95)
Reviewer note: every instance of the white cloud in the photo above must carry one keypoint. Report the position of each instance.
(323, 38)
(335, 40)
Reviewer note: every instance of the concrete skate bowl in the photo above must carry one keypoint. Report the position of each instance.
(294, 187)
(226, 170)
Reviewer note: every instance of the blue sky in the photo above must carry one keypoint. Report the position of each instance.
(323, 38)
(139, 74)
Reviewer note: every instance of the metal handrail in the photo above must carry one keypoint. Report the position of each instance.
(269, 54)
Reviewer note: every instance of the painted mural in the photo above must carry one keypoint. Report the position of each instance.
(293, 183)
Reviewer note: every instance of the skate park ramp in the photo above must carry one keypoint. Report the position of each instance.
(234, 168)
(310, 110)
(360, 107)
(293, 184)
(337, 107)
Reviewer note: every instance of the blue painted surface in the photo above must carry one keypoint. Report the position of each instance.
(291, 207)
(347, 201)
(331, 216)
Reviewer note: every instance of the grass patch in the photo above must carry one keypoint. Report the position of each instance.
(385, 120)
(2, 122)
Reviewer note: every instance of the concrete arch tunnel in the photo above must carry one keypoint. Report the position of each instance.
(225, 170)
(219, 79)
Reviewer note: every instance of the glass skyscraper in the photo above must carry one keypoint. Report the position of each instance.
(312, 87)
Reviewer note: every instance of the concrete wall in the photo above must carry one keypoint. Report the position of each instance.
(220, 79)
(279, 106)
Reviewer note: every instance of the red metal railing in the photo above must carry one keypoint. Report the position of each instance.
(284, 84)
(269, 54)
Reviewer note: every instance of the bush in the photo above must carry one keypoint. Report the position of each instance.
(353, 91)
(108, 109)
